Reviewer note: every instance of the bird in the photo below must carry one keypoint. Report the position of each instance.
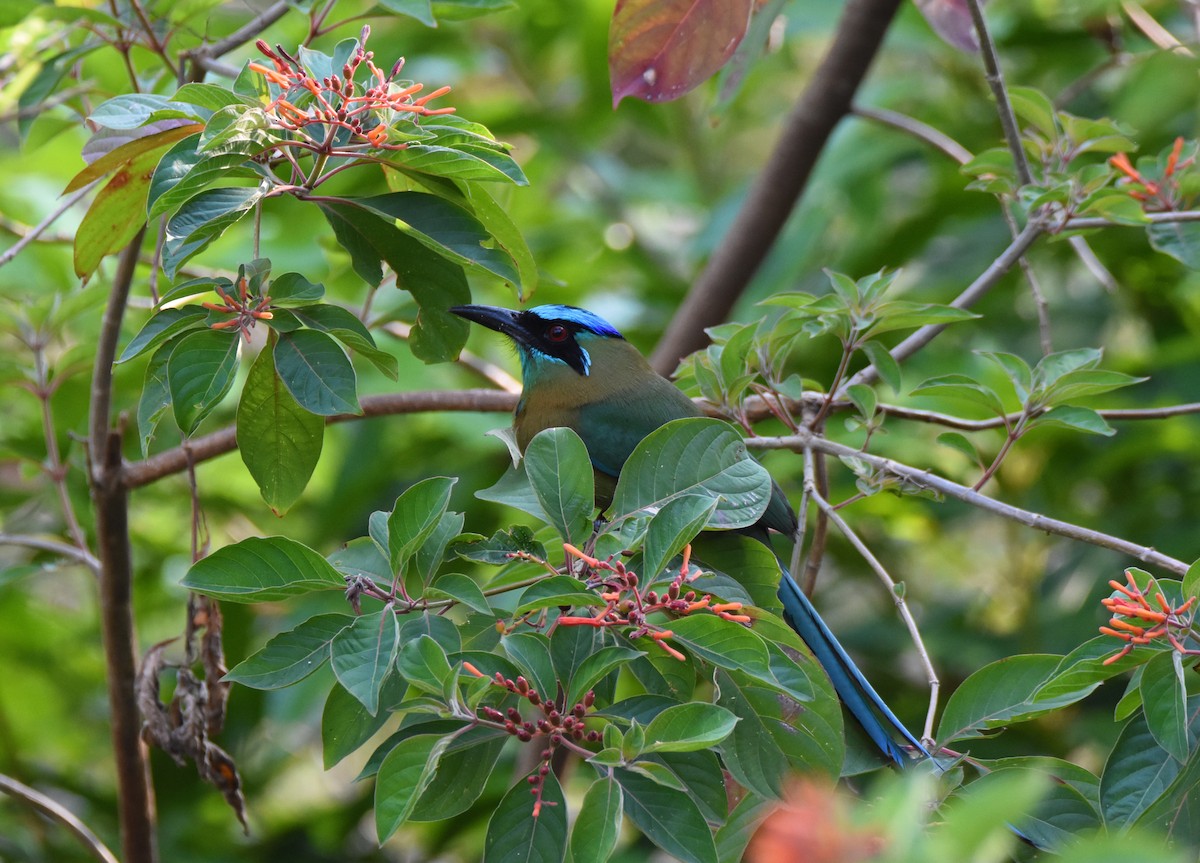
(579, 372)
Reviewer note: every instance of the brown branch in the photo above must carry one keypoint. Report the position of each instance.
(111, 502)
(995, 80)
(825, 101)
(220, 442)
(38, 229)
(1085, 222)
(921, 131)
(52, 808)
(924, 479)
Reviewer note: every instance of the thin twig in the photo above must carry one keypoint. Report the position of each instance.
(52, 808)
(1094, 265)
(36, 231)
(950, 421)
(53, 546)
(896, 595)
(921, 131)
(995, 80)
(1083, 223)
(925, 479)
(1035, 288)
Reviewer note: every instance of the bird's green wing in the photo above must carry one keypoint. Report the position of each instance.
(611, 428)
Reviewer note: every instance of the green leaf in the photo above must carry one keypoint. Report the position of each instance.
(462, 774)
(695, 456)
(262, 569)
(594, 667)
(530, 651)
(419, 9)
(290, 656)
(962, 443)
(200, 373)
(527, 828)
(347, 329)
(1180, 240)
(669, 818)
(290, 290)
(435, 283)
(445, 228)
(1004, 691)
(423, 663)
(1164, 700)
(672, 528)
(362, 655)
(724, 643)
(117, 212)
(345, 723)
(561, 475)
(555, 591)
(962, 387)
(1191, 581)
(403, 777)
(1138, 772)
(155, 397)
(161, 327)
(734, 835)
(317, 373)
(688, 727)
(497, 549)
(513, 489)
(184, 171)
(278, 440)
(416, 515)
(905, 315)
(1073, 417)
(506, 234)
(1017, 370)
(1034, 108)
(1085, 668)
(598, 825)
(202, 219)
(462, 589)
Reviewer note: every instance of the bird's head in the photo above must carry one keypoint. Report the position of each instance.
(546, 337)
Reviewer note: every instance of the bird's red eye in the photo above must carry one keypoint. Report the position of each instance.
(556, 333)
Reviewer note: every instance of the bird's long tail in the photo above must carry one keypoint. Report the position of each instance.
(855, 691)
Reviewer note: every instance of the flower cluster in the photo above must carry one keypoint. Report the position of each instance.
(559, 727)
(1162, 195)
(339, 102)
(1155, 620)
(247, 309)
(626, 605)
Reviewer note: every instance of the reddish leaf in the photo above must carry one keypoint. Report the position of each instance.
(660, 49)
(951, 20)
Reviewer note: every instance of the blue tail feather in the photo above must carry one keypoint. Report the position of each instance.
(851, 685)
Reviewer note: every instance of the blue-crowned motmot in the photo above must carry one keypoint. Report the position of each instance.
(578, 372)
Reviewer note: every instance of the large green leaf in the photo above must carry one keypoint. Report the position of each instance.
(998, 694)
(562, 477)
(528, 829)
(290, 656)
(669, 818)
(184, 171)
(262, 569)
(1164, 700)
(200, 373)
(202, 219)
(317, 373)
(695, 456)
(1138, 772)
(403, 777)
(417, 513)
(435, 282)
(688, 727)
(598, 825)
(446, 228)
(673, 527)
(161, 327)
(362, 655)
(279, 441)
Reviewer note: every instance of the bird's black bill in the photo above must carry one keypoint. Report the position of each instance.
(504, 321)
